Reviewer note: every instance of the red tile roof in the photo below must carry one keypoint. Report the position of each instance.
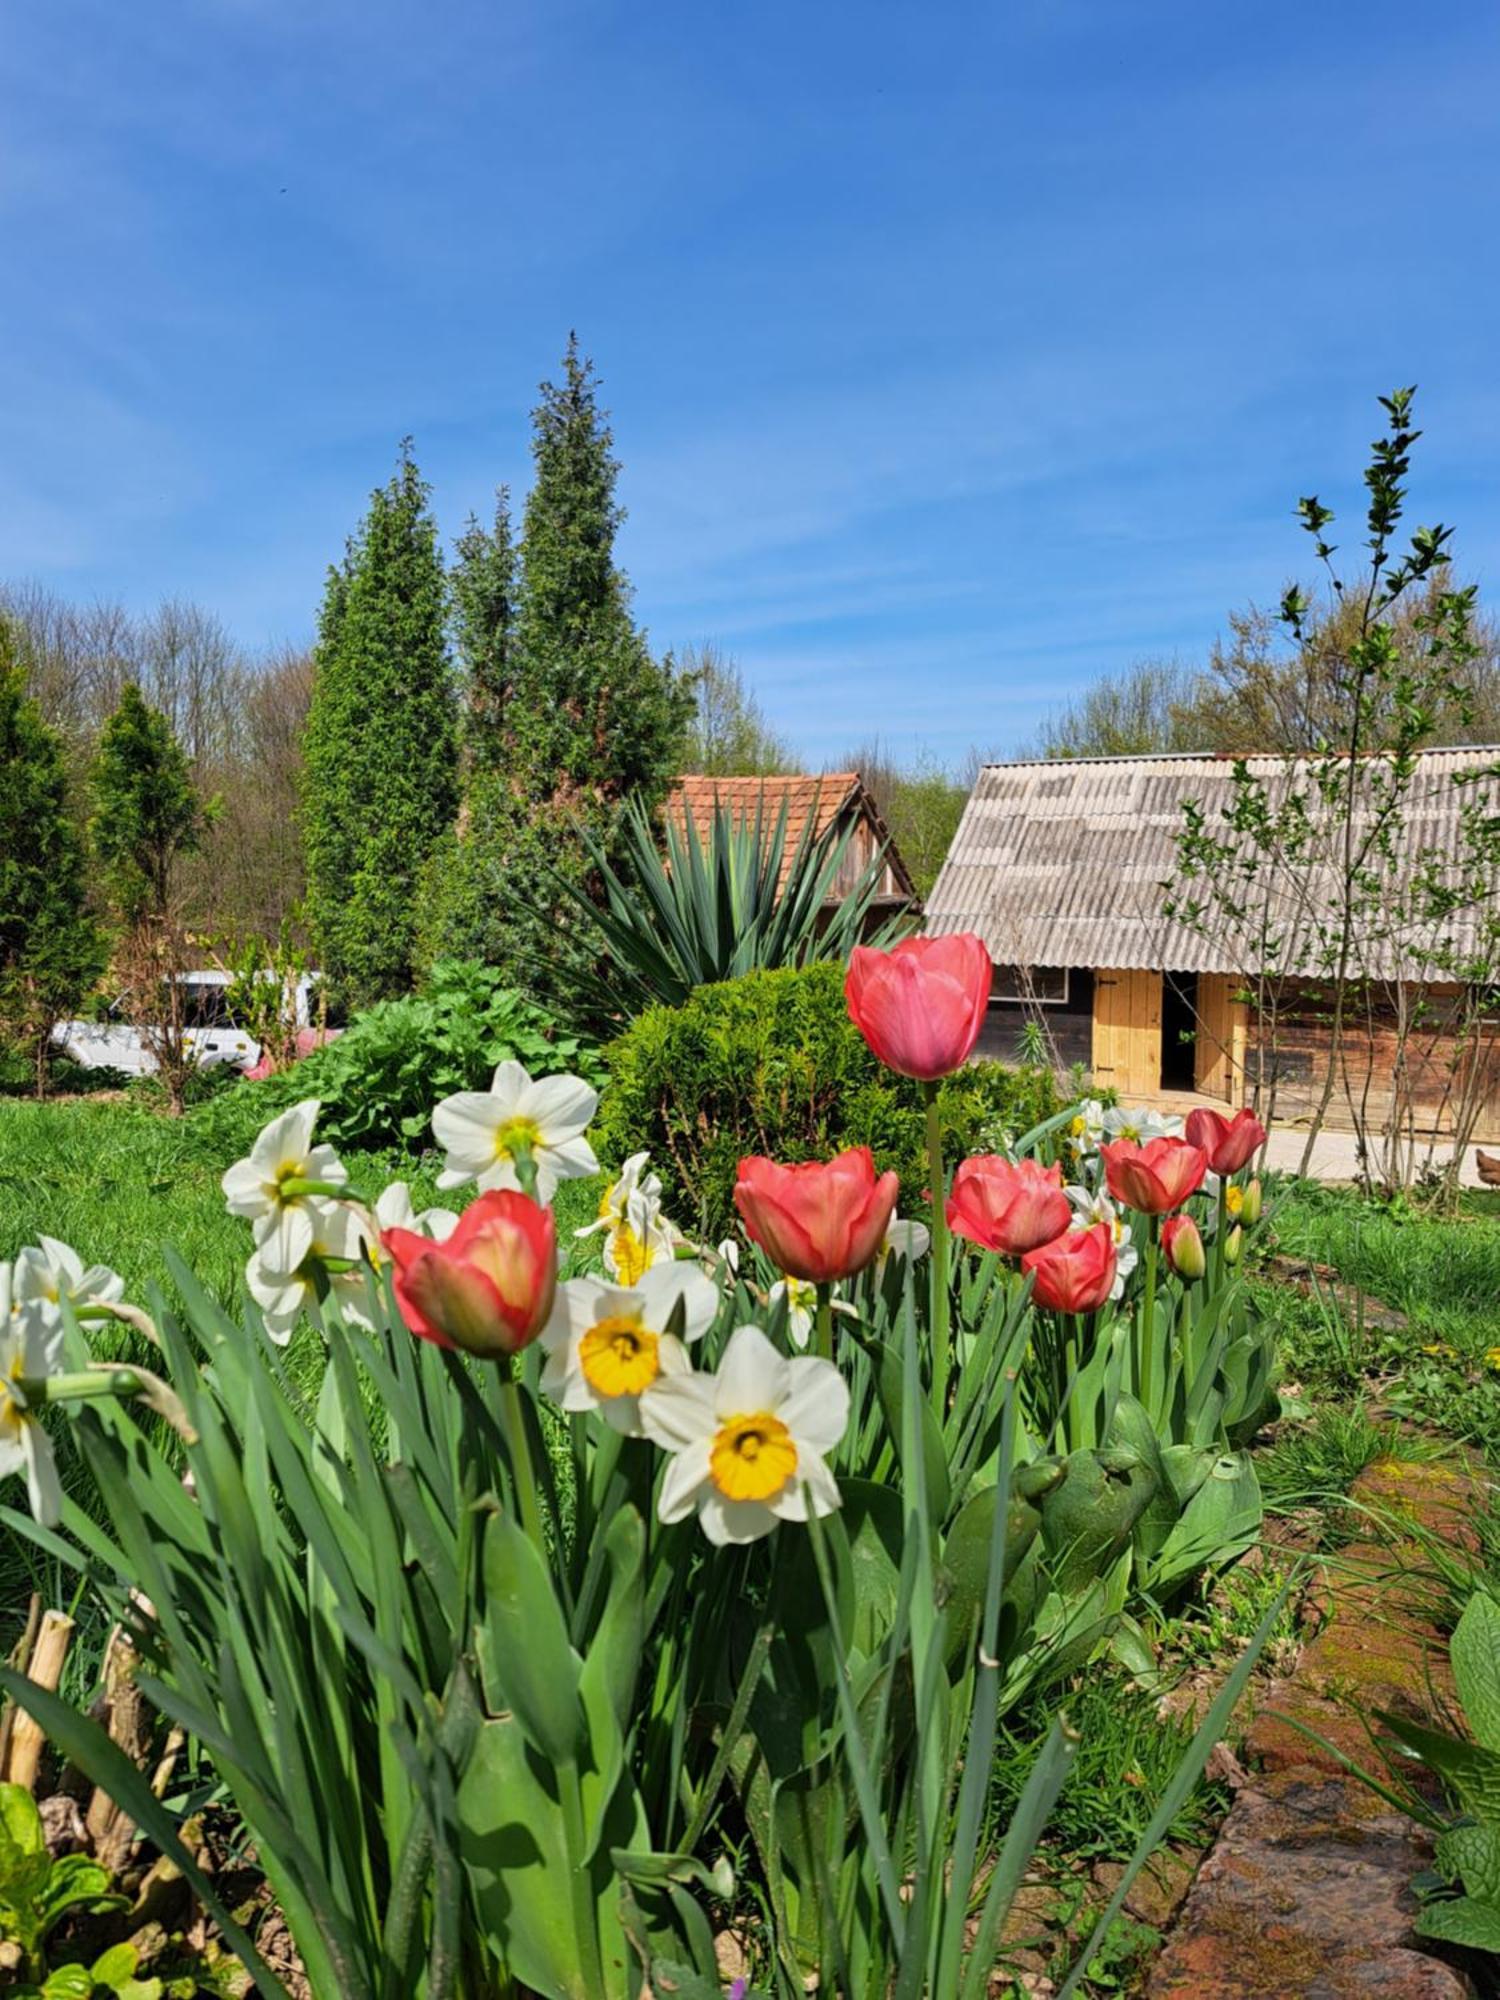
(819, 800)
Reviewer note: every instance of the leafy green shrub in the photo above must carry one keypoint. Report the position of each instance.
(379, 1081)
(771, 1063)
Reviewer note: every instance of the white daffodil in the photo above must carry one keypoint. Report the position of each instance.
(1086, 1128)
(48, 1272)
(748, 1444)
(910, 1240)
(285, 1294)
(637, 1234)
(1138, 1124)
(606, 1345)
(31, 1338)
(482, 1131)
(265, 1188)
(394, 1211)
(802, 1307)
(1090, 1208)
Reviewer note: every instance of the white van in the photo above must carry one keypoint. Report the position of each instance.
(211, 1032)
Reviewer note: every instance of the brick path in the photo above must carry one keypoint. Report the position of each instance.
(1307, 1889)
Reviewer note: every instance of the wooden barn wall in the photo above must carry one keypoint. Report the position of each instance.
(1299, 1062)
(1071, 1027)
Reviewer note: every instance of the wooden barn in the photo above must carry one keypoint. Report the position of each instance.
(838, 798)
(1064, 868)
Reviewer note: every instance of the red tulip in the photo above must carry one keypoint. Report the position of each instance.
(1155, 1177)
(1230, 1143)
(1075, 1273)
(821, 1221)
(1183, 1247)
(488, 1287)
(921, 1004)
(1007, 1208)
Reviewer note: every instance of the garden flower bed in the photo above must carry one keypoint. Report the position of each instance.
(551, 1602)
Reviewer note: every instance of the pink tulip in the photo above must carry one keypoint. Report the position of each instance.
(1230, 1143)
(920, 1005)
(488, 1287)
(1005, 1207)
(1155, 1177)
(821, 1221)
(1075, 1273)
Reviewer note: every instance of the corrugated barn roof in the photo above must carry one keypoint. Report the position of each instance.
(1064, 862)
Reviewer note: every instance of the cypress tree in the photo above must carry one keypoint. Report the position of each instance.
(577, 714)
(51, 949)
(380, 748)
(484, 616)
(147, 810)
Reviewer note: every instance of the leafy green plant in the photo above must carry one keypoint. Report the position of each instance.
(37, 1890)
(693, 907)
(113, 1971)
(1463, 1905)
(380, 1079)
(771, 1063)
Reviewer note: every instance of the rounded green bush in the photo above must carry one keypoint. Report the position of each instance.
(771, 1063)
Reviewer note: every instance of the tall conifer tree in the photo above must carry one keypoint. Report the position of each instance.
(381, 785)
(51, 949)
(572, 714)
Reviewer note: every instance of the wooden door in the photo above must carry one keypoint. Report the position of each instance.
(1127, 1032)
(1219, 1056)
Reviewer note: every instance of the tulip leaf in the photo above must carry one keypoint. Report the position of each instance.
(525, 1661)
(1220, 1521)
(547, 1919)
(890, 1387)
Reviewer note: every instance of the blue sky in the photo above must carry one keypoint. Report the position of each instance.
(956, 353)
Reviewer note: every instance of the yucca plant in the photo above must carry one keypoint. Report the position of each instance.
(685, 908)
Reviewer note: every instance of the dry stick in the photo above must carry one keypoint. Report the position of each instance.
(20, 1659)
(27, 1738)
(122, 1709)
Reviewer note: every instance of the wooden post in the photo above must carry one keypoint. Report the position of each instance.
(27, 1738)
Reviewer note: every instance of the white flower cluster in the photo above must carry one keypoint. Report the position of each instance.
(748, 1441)
(32, 1292)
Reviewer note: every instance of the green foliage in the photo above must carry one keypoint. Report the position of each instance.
(113, 1971)
(1467, 1853)
(483, 586)
(723, 900)
(380, 748)
(1127, 1751)
(147, 811)
(771, 1063)
(51, 950)
(579, 717)
(36, 1891)
(730, 737)
(379, 1080)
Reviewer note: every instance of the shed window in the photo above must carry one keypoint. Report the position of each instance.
(1031, 985)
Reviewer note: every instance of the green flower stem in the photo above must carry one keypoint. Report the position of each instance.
(941, 1350)
(1218, 1270)
(513, 1425)
(1146, 1347)
(295, 1188)
(1067, 1400)
(525, 1167)
(79, 1387)
(823, 1330)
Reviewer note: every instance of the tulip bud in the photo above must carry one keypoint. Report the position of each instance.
(1183, 1247)
(1251, 1205)
(1234, 1244)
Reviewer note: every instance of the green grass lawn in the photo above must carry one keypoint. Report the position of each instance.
(1443, 1274)
(118, 1182)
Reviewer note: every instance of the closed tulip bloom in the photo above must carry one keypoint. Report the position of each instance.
(488, 1288)
(1250, 1203)
(1005, 1206)
(920, 1005)
(821, 1221)
(1183, 1247)
(1156, 1177)
(1230, 1143)
(1234, 1244)
(1076, 1272)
